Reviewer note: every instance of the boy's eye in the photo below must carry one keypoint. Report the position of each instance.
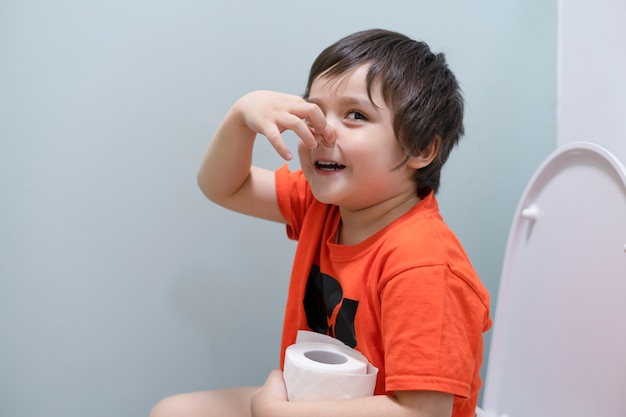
(356, 115)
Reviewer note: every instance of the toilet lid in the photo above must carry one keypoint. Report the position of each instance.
(558, 346)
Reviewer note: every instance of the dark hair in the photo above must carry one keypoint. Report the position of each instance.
(416, 83)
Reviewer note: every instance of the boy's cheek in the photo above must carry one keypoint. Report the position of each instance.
(304, 155)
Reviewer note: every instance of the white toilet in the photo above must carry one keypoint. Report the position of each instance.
(558, 346)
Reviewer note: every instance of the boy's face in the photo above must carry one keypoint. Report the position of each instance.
(363, 167)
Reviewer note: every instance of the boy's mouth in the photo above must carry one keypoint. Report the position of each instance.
(328, 166)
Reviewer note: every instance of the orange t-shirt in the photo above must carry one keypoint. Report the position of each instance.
(407, 297)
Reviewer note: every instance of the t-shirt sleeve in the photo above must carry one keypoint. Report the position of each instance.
(432, 324)
(293, 196)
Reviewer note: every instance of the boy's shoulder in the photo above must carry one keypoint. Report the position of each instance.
(422, 235)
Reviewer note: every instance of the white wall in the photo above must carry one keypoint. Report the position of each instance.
(592, 73)
(119, 282)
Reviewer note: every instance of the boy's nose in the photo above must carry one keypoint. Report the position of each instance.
(327, 142)
(327, 135)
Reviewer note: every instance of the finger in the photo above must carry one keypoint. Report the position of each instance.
(300, 127)
(306, 134)
(316, 119)
(275, 375)
(328, 135)
(272, 133)
(276, 383)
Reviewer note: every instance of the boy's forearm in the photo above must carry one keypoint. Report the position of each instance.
(271, 401)
(361, 407)
(227, 161)
(375, 406)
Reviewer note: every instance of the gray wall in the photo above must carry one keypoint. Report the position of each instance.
(592, 98)
(119, 282)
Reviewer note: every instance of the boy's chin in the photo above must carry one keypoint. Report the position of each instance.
(323, 197)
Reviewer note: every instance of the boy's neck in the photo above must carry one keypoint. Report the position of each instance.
(358, 225)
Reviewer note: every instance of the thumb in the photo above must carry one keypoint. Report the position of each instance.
(275, 381)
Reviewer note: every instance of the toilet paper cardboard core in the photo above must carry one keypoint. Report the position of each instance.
(321, 356)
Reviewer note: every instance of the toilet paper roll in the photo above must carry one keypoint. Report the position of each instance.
(320, 369)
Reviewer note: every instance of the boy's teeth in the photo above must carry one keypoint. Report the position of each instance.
(329, 165)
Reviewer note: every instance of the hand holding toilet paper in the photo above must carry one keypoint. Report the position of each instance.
(319, 367)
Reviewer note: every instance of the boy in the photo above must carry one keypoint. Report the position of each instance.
(376, 266)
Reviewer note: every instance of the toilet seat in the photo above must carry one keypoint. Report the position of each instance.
(558, 346)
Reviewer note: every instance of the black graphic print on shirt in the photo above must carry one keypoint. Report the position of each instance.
(327, 312)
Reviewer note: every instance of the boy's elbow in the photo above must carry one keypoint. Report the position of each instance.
(205, 186)
(215, 189)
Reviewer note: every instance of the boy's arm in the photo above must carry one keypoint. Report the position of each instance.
(226, 175)
(271, 401)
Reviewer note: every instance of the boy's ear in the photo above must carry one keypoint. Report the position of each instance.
(425, 157)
